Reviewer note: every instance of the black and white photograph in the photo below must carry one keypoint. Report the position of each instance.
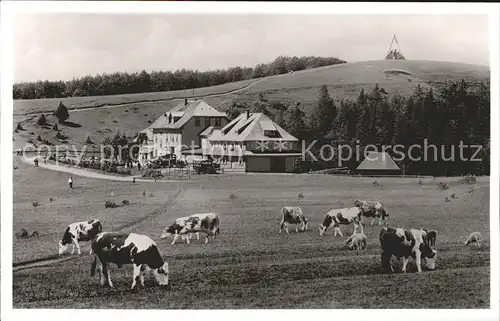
(315, 158)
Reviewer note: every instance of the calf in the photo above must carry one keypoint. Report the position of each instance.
(79, 232)
(474, 238)
(342, 216)
(356, 242)
(128, 248)
(207, 223)
(373, 210)
(292, 215)
(403, 243)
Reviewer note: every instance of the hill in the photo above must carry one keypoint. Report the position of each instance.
(100, 117)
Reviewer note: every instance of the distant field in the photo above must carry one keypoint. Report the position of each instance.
(250, 265)
(343, 81)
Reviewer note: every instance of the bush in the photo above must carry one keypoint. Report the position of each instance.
(442, 186)
(35, 234)
(232, 196)
(110, 204)
(51, 199)
(61, 113)
(36, 204)
(125, 202)
(22, 234)
(469, 180)
(153, 173)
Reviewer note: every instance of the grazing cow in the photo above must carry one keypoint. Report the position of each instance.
(207, 223)
(404, 243)
(431, 236)
(128, 248)
(474, 238)
(292, 215)
(176, 227)
(79, 232)
(356, 242)
(342, 216)
(373, 210)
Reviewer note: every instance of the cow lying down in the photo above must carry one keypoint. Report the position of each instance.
(399, 242)
(128, 248)
(184, 227)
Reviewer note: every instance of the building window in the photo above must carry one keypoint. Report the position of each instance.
(197, 121)
(217, 121)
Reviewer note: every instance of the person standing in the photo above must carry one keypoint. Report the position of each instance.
(70, 182)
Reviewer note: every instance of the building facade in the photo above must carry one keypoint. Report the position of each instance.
(252, 142)
(179, 129)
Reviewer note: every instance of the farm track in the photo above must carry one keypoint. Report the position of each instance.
(52, 259)
(108, 106)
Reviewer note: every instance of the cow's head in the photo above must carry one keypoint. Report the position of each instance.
(326, 223)
(430, 259)
(161, 274)
(171, 230)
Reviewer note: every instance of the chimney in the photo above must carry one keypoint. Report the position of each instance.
(248, 113)
(185, 101)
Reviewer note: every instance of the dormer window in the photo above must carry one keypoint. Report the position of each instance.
(272, 134)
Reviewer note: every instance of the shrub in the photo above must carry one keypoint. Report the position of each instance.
(61, 113)
(22, 234)
(35, 234)
(125, 202)
(154, 173)
(35, 204)
(232, 196)
(51, 199)
(110, 204)
(442, 186)
(469, 180)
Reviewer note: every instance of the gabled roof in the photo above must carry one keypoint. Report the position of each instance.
(148, 132)
(207, 131)
(244, 128)
(378, 161)
(186, 112)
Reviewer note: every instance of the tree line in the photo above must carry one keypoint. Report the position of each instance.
(130, 83)
(457, 113)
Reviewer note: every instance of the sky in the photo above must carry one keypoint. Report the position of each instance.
(61, 46)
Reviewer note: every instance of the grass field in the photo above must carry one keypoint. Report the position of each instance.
(250, 265)
(343, 81)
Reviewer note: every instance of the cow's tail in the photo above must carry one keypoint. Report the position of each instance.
(94, 265)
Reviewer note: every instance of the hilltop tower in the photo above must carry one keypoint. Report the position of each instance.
(394, 54)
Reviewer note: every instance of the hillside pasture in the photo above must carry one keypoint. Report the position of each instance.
(343, 81)
(250, 265)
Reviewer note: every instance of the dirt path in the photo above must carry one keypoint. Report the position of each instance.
(90, 174)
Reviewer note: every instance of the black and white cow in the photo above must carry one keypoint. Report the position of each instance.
(292, 215)
(79, 232)
(128, 248)
(207, 223)
(373, 210)
(342, 216)
(356, 242)
(399, 242)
